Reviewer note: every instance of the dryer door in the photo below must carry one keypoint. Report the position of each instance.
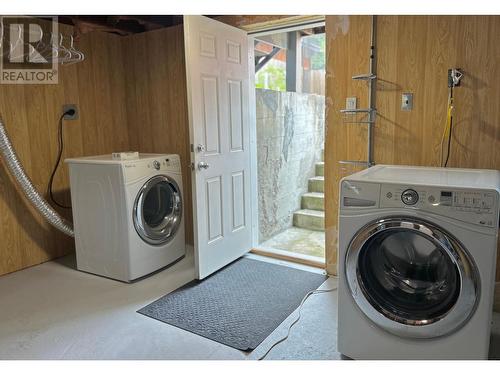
(411, 278)
(158, 210)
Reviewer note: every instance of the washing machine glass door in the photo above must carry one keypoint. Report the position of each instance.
(411, 278)
(158, 210)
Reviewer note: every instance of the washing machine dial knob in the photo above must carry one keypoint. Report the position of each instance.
(409, 197)
(156, 165)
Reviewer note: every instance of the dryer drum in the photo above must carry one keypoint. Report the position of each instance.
(158, 210)
(411, 278)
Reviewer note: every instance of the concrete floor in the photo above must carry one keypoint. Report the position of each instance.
(52, 311)
(298, 240)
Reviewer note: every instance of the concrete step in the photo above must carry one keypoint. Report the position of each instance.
(320, 168)
(313, 201)
(316, 184)
(309, 219)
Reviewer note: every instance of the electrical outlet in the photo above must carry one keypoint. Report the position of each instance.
(406, 101)
(351, 103)
(68, 108)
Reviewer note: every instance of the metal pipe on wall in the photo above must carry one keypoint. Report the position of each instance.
(371, 92)
(37, 201)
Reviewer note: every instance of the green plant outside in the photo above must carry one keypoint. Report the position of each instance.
(276, 78)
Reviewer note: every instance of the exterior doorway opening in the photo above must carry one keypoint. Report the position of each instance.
(290, 135)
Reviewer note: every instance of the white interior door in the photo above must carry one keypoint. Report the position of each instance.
(217, 64)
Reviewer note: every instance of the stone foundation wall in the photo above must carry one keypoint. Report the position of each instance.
(290, 137)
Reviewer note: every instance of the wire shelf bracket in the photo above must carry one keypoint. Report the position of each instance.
(364, 77)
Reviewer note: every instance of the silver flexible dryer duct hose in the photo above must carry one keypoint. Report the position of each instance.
(15, 167)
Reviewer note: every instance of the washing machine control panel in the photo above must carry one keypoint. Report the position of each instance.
(409, 197)
(474, 206)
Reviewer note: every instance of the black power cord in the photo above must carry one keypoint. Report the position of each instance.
(60, 141)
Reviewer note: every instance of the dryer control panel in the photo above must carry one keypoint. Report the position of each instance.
(474, 206)
(138, 169)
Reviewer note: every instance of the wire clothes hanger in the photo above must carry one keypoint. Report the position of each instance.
(41, 52)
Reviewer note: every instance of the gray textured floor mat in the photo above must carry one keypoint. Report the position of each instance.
(239, 305)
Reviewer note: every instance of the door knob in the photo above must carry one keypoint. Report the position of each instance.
(202, 165)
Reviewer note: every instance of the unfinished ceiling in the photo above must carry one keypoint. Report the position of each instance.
(133, 24)
(121, 25)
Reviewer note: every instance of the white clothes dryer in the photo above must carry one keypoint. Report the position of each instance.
(127, 213)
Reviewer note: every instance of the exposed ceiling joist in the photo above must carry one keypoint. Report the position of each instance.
(121, 24)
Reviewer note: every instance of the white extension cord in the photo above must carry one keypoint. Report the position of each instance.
(310, 293)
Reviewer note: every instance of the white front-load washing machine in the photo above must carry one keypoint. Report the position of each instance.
(417, 253)
(127, 213)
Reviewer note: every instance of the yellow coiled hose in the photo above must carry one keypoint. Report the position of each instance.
(447, 129)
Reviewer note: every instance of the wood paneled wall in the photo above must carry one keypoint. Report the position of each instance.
(131, 95)
(414, 54)
(347, 41)
(30, 114)
(157, 111)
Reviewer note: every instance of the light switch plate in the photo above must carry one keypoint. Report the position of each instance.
(406, 101)
(351, 103)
